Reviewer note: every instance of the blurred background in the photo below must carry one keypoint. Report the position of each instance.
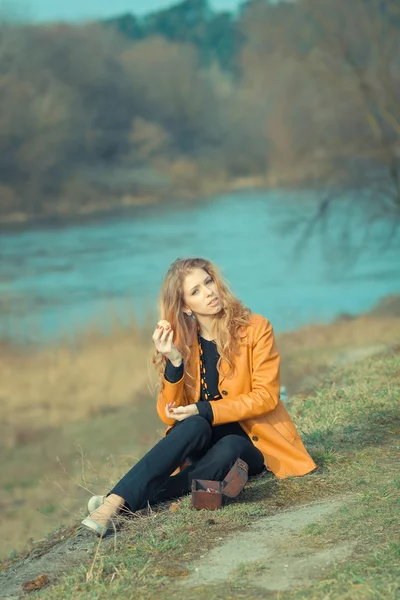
(264, 136)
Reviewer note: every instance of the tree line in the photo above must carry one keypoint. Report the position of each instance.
(97, 114)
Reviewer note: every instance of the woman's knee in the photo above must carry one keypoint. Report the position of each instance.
(232, 446)
(197, 425)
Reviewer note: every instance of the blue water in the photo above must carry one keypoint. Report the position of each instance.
(56, 281)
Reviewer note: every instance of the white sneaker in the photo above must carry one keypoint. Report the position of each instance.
(94, 503)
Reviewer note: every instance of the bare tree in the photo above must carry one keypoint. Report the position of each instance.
(357, 56)
(329, 74)
(275, 69)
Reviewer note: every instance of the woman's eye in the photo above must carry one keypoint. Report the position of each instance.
(209, 280)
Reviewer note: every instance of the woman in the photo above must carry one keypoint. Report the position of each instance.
(219, 396)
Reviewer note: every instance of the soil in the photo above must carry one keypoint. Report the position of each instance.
(51, 562)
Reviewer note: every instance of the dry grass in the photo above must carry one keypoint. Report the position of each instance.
(47, 482)
(47, 388)
(69, 409)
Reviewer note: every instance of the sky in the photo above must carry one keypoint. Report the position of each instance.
(72, 10)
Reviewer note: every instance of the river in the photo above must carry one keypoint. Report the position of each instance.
(54, 281)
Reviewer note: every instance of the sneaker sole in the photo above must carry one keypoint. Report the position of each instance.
(95, 527)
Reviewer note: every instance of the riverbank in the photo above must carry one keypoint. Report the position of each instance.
(329, 534)
(186, 184)
(64, 213)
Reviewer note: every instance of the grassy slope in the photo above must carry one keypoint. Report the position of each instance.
(80, 416)
(350, 425)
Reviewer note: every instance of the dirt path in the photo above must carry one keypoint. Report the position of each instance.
(270, 549)
(271, 553)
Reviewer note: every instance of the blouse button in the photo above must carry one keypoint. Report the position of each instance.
(255, 438)
(225, 393)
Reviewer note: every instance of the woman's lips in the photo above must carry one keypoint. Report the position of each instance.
(213, 302)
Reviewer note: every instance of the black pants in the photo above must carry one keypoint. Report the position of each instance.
(212, 452)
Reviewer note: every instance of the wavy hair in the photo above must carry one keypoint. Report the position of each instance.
(230, 323)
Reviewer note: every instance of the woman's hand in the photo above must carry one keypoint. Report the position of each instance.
(181, 412)
(163, 340)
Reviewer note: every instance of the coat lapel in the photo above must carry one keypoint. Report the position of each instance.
(221, 378)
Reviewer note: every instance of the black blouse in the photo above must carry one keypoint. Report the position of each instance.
(210, 359)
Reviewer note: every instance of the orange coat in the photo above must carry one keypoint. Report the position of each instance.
(251, 397)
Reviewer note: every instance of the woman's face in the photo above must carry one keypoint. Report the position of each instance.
(200, 293)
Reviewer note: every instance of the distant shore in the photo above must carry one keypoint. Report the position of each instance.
(122, 205)
(203, 186)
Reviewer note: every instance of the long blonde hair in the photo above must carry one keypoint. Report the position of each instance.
(230, 323)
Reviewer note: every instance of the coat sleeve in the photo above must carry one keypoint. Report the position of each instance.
(170, 392)
(264, 395)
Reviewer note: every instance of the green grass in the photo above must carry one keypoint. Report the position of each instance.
(350, 426)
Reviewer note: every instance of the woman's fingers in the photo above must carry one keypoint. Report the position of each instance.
(168, 340)
(178, 414)
(157, 333)
(161, 332)
(159, 336)
(164, 335)
(162, 338)
(168, 408)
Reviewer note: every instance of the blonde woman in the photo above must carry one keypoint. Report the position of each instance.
(219, 396)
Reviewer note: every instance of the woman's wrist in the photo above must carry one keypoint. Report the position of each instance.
(173, 374)
(176, 363)
(175, 358)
